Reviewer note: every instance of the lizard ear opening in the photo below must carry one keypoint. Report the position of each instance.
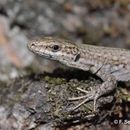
(77, 58)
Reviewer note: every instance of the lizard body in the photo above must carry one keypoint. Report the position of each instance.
(110, 64)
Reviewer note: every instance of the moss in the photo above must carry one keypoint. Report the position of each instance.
(124, 94)
(49, 95)
(53, 80)
(60, 90)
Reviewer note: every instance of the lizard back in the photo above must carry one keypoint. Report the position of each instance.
(107, 60)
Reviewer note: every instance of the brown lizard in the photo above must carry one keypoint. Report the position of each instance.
(109, 64)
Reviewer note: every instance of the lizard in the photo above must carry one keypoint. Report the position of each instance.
(109, 64)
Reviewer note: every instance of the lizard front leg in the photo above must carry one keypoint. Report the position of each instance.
(106, 87)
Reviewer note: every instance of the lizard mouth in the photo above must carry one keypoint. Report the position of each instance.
(43, 55)
(47, 56)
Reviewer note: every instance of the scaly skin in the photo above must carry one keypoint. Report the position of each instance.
(110, 64)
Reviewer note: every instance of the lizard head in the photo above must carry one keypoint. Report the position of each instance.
(56, 49)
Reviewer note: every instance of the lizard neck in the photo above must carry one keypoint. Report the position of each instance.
(89, 60)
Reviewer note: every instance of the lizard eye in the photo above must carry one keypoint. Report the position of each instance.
(55, 48)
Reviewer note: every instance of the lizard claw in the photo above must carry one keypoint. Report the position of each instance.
(94, 102)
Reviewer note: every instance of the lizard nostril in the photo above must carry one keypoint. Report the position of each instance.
(32, 45)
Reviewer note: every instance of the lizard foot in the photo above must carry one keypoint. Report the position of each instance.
(91, 95)
(105, 88)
